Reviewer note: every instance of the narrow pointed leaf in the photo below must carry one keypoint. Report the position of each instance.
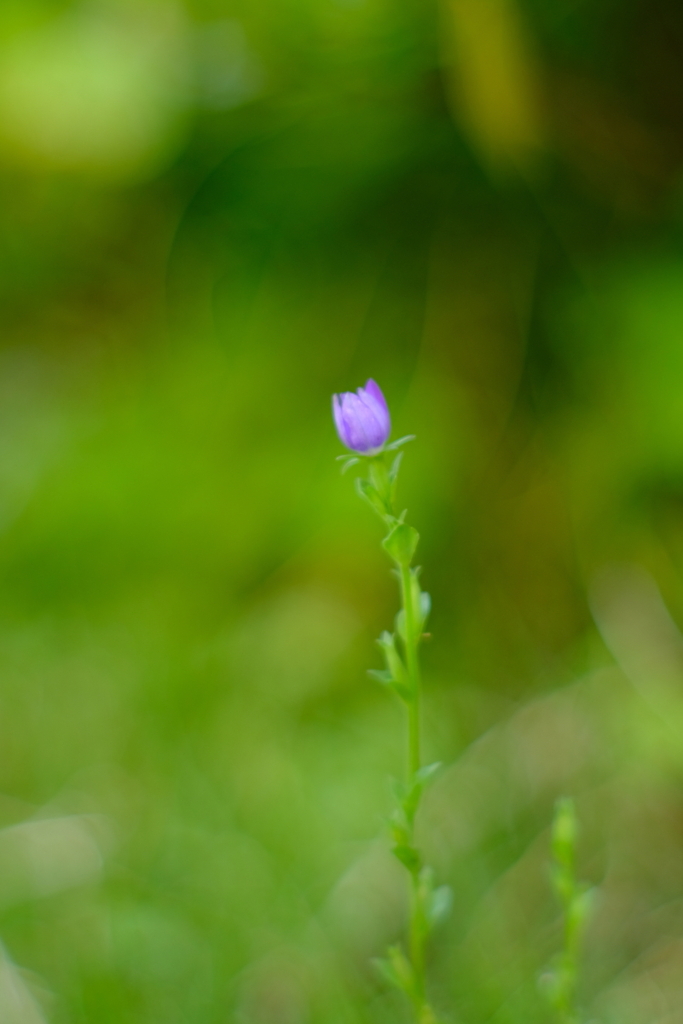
(396, 676)
(393, 659)
(395, 466)
(402, 690)
(382, 676)
(386, 969)
(427, 772)
(393, 478)
(401, 970)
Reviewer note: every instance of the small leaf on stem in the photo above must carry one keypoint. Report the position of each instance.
(382, 676)
(402, 690)
(426, 773)
(401, 543)
(416, 788)
(395, 466)
(397, 970)
(399, 680)
(408, 856)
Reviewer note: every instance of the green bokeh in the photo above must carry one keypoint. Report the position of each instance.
(212, 216)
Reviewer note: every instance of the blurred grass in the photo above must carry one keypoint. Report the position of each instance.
(213, 215)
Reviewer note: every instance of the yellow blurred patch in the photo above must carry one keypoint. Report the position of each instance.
(490, 79)
(102, 90)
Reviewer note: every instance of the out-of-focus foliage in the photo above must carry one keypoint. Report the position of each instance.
(214, 214)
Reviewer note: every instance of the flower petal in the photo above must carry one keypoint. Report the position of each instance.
(373, 391)
(357, 419)
(339, 423)
(362, 418)
(374, 400)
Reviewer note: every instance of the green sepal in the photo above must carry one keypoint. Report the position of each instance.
(399, 444)
(349, 462)
(408, 856)
(401, 543)
(425, 606)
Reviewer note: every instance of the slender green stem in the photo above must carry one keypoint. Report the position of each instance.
(403, 675)
(413, 666)
(414, 765)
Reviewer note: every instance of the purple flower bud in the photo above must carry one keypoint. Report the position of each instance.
(362, 419)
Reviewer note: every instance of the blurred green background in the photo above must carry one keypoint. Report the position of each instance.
(213, 214)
